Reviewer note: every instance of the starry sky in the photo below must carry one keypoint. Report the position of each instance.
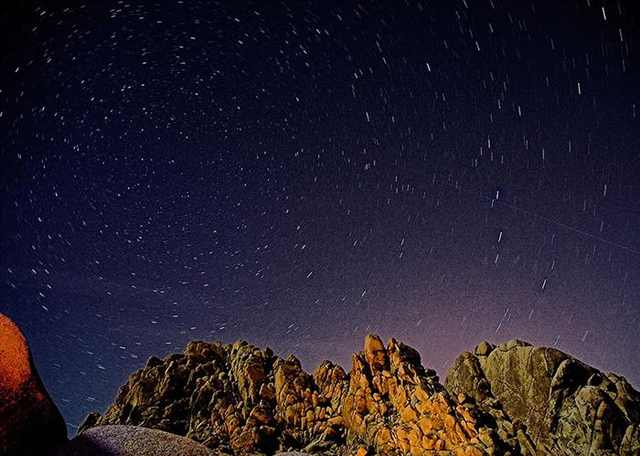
(301, 173)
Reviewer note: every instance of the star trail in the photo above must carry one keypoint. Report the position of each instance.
(298, 174)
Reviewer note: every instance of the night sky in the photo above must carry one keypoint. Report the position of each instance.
(298, 174)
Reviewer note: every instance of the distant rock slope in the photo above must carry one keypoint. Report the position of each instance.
(513, 399)
(555, 404)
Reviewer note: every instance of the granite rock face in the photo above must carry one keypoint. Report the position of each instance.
(513, 399)
(29, 420)
(554, 403)
(241, 399)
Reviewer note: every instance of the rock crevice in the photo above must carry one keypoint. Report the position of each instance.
(560, 405)
(513, 399)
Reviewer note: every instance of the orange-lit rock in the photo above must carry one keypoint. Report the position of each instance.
(375, 353)
(29, 420)
(240, 399)
(361, 452)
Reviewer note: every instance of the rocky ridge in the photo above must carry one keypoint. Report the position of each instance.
(513, 399)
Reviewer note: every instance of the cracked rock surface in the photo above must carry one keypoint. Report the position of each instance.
(555, 404)
(513, 399)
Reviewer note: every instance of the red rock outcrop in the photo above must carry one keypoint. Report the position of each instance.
(29, 420)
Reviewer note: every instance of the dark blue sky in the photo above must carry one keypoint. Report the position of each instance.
(303, 173)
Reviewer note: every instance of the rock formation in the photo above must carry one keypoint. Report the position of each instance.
(242, 400)
(216, 399)
(29, 420)
(513, 399)
(555, 404)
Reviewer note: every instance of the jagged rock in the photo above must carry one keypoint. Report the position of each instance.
(375, 353)
(404, 409)
(513, 399)
(241, 399)
(510, 400)
(469, 378)
(555, 403)
(484, 348)
(29, 420)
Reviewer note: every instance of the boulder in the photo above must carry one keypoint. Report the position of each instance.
(131, 441)
(29, 420)
(556, 403)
